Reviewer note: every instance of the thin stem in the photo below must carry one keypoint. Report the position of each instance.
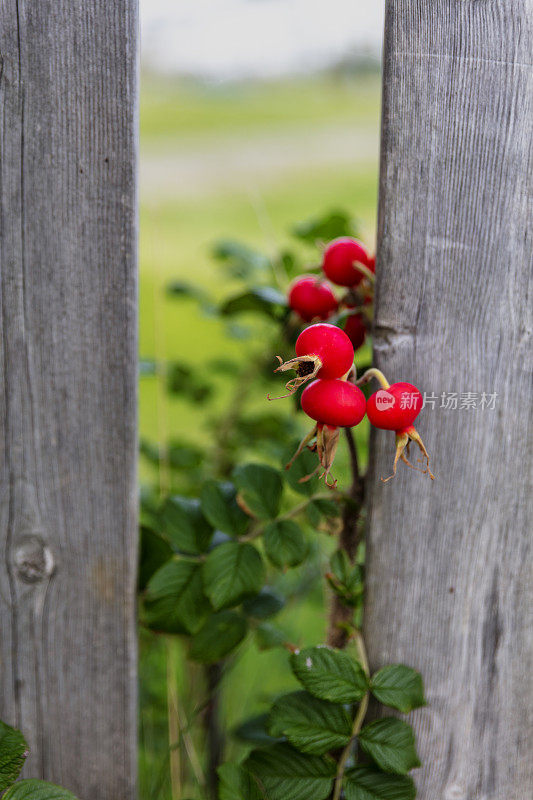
(341, 767)
(373, 373)
(174, 733)
(227, 424)
(365, 271)
(354, 461)
(179, 728)
(214, 735)
(357, 723)
(341, 615)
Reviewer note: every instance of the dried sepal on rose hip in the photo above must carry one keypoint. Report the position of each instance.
(311, 297)
(346, 262)
(333, 404)
(395, 407)
(322, 351)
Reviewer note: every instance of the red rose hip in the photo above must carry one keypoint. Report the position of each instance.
(334, 402)
(322, 351)
(310, 297)
(395, 407)
(341, 259)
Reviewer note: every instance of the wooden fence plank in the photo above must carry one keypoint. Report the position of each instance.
(449, 565)
(68, 106)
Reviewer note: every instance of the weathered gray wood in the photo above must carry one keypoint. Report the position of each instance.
(68, 78)
(449, 572)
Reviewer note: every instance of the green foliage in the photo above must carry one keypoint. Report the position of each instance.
(346, 579)
(184, 381)
(399, 687)
(219, 636)
(269, 636)
(330, 674)
(37, 790)
(219, 505)
(287, 774)
(311, 725)
(301, 466)
(390, 743)
(261, 488)
(13, 753)
(185, 526)
(364, 783)
(239, 260)
(237, 784)
(254, 731)
(175, 600)
(325, 228)
(175, 455)
(155, 551)
(285, 543)
(262, 300)
(216, 566)
(266, 604)
(232, 572)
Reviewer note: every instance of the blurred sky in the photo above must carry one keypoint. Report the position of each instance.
(232, 39)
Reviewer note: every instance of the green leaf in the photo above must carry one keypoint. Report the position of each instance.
(185, 526)
(261, 488)
(231, 572)
(184, 289)
(364, 783)
(286, 774)
(328, 508)
(266, 604)
(155, 551)
(330, 674)
(390, 742)
(285, 543)
(219, 636)
(37, 790)
(340, 565)
(237, 784)
(313, 515)
(347, 579)
(219, 506)
(184, 381)
(290, 263)
(261, 299)
(13, 753)
(175, 600)
(254, 731)
(399, 687)
(325, 227)
(302, 466)
(268, 636)
(311, 725)
(242, 261)
(178, 455)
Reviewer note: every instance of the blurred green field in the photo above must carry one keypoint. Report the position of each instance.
(173, 109)
(177, 229)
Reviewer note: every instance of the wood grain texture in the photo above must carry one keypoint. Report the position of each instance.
(68, 84)
(449, 562)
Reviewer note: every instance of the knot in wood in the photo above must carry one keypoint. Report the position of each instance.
(33, 559)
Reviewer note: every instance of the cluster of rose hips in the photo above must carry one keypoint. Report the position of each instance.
(346, 263)
(325, 356)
